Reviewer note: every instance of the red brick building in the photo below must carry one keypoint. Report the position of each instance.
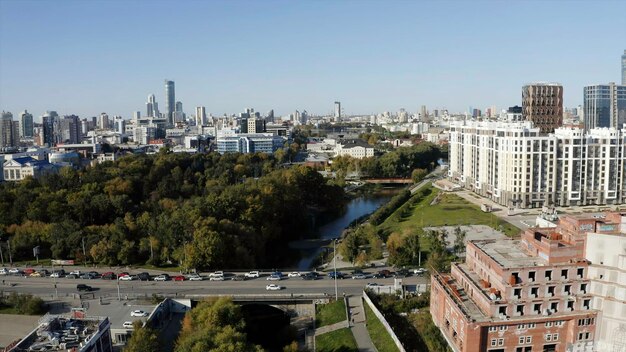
(520, 295)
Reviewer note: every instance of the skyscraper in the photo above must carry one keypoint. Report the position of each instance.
(152, 107)
(605, 106)
(200, 116)
(170, 101)
(48, 120)
(70, 130)
(542, 103)
(7, 137)
(179, 115)
(26, 124)
(624, 69)
(337, 111)
(103, 122)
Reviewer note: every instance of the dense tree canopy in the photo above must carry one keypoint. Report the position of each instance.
(204, 210)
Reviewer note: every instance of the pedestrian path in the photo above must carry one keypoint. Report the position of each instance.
(357, 324)
(331, 327)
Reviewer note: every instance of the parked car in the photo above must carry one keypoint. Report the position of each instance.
(402, 273)
(4, 271)
(15, 271)
(126, 278)
(382, 274)
(128, 325)
(336, 274)
(294, 274)
(143, 277)
(36, 274)
(71, 276)
(178, 278)
(372, 285)
(195, 277)
(87, 276)
(109, 276)
(216, 278)
(419, 271)
(56, 274)
(273, 278)
(273, 287)
(252, 274)
(360, 276)
(75, 272)
(162, 277)
(138, 313)
(83, 287)
(310, 276)
(216, 274)
(28, 271)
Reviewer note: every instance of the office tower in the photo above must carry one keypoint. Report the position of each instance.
(48, 119)
(26, 124)
(103, 122)
(179, 115)
(152, 107)
(424, 114)
(337, 111)
(84, 127)
(69, 130)
(136, 115)
(119, 124)
(542, 103)
(270, 116)
(624, 69)
(7, 137)
(605, 106)
(170, 101)
(200, 116)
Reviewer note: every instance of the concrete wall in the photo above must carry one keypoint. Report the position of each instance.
(384, 321)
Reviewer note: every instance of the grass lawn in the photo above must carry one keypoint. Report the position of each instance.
(340, 340)
(451, 210)
(380, 337)
(331, 313)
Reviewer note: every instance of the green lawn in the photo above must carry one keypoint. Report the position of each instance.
(331, 313)
(451, 210)
(340, 340)
(380, 337)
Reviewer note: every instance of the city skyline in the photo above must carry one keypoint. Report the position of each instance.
(372, 56)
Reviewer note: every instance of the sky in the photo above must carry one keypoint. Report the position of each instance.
(88, 57)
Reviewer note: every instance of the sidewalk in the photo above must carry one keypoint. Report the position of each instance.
(331, 327)
(358, 327)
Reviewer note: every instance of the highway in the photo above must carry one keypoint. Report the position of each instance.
(44, 287)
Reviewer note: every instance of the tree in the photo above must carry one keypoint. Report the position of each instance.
(412, 247)
(349, 247)
(459, 240)
(143, 339)
(418, 175)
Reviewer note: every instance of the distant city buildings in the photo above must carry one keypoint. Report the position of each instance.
(515, 165)
(624, 69)
(604, 106)
(200, 116)
(26, 124)
(152, 107)
(9, 133)
(337, 111)
(170, 102)
(542, 103)
(231, 142)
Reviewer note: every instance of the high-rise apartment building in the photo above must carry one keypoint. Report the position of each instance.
(103, 121)
(515, 165)
(604, 106)
(179, 115)
(152, 107)
(337, 111)
(170, 101)
(200, 116)
(49, 121)
(624, 69)
(26, 124)
(542, 103)
(69, 131)
(8, 138)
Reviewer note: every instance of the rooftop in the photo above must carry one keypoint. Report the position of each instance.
(508, 253)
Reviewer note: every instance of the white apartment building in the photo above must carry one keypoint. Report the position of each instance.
(516, 166)
(607, 272)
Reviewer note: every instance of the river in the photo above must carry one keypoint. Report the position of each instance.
(356, 208)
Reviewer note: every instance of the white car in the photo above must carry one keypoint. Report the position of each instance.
(216, 274)
(294, 274)
(216, 278)
(419, 271)
(4, 271)
(75, 272)
(126, 278)
(128, 325)
(14, 271)
(195, 277)
(138, 313)
(55, 275)
(273, 287)
(160, 278)
(252, 274)
(273, 278)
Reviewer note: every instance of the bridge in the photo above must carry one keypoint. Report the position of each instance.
(388, 180)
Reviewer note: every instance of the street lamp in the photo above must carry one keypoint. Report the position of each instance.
(335, 266)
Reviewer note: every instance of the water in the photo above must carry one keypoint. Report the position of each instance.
(354, 209)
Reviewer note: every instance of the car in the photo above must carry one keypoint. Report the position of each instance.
(382, 274)
(14, 271)
(138, 313)
(162, 277)
(273, 287)
(143, 276)
(75, 272)
(83, 287)
(56, 274)
(126, 278)
(95, 274)
(35, 274)
(178, 278)
(335, 274)
(71, 276)
(294, 274)
(372, 285)
(128, 325)
(360, 276)
(239, 278)
(28, 272)
(4, 271)
(216, 278)
(310, 276)
(123, 273)
(87, 276)
(252, 274)
(401, 273)
(109, 276)
(195, 277)
(216, 274)
(419, 271)
(273, 278)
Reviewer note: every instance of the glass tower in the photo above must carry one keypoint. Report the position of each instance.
(170, 101)
(605, 106)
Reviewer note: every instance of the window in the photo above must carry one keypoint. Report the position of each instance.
(548, 324)
(521, 339)
(548, 275)
(494, 342)
(564, 274)
(503, 327)
(548, 337)
(493, 328)
(555, 337)
(529, 339)
(500, 342)
(531, 276)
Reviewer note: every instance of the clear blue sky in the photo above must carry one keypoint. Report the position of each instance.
(86, 57)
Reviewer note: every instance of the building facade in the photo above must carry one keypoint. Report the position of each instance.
(248, 143)
(542, 103)
(624, 69)
(26, 124)
(517, 295)
(8, 137)
(515, 165)
(170, 102)
(604, 106)
(337, 111)
(18, 169)
(200, 116)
